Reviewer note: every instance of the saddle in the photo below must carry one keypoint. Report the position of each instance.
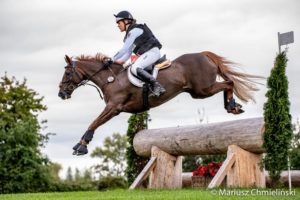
(153, 69)
(150, 68)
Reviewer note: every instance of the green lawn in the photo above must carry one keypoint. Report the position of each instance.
(158, 194)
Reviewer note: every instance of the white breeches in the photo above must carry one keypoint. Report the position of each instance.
(146, 59)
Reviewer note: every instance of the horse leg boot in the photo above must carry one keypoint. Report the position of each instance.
(77, 146)
(81, 148)
(158, 89)
(110, 111)
(230, 105)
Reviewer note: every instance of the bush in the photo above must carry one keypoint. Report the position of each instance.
(112, 182)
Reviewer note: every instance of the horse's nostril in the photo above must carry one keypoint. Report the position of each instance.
(61, 94)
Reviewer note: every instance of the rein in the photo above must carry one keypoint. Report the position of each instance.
(85, 82)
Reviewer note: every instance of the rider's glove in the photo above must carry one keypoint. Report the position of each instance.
(107, 62)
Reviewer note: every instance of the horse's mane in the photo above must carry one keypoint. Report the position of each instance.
(98, 57)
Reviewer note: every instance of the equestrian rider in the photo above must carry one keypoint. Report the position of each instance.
(139, 40)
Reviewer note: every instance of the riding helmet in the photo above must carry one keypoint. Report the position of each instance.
(123, 15)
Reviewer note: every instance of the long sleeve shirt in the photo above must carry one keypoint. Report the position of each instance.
(125, 52)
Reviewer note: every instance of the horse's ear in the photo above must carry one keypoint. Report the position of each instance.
(68, 60)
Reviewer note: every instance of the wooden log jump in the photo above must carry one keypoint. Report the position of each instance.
(204, 139)
(241, 139)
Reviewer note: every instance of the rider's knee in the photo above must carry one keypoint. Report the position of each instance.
(134, 69)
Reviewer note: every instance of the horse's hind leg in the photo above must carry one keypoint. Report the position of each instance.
(229, 102)
(219, 86)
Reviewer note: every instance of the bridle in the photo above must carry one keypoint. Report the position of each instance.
(72, 85)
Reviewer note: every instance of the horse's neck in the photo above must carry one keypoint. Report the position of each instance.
(91, 70)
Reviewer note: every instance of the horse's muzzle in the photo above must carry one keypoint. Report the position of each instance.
(64, 95)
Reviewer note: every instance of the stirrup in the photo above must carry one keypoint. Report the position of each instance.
(157, 91)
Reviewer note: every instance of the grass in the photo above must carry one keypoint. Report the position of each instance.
(234, 194)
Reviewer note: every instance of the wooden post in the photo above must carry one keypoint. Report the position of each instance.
(223, 171)
(246, 172)
(164, 169)
(242, 169)
(144, 173)
(167, 171)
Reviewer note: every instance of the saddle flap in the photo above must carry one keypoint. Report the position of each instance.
(163, 65)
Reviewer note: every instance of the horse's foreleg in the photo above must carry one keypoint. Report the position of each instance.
(109, 112)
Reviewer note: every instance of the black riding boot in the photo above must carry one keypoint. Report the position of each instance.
(158, 89)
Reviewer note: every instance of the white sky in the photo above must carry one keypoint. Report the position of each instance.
(35, 36)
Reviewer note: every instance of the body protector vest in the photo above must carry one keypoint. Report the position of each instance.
(144, 42)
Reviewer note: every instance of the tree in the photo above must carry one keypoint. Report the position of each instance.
(69, 176)
(278, 126)
(80, 181)
(112, 156)
(135, 163)
(55, 169)
(87, 175)
(23, 168)
(77, 176)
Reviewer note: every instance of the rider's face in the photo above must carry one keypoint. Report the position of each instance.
(121, 25)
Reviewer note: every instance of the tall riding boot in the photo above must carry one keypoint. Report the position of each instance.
(158, 89)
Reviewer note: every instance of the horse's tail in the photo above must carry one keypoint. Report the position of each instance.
(243, 84)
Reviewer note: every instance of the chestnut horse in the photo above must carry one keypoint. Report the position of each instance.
(193, 73)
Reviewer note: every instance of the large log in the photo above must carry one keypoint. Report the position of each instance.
(213, 138)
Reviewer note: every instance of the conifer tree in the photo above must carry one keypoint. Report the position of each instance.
(278, 126)
(69, 176)
(135, 163)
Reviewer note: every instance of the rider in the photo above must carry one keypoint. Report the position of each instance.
(140, 40)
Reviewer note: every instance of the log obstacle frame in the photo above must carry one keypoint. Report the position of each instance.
(242, 167)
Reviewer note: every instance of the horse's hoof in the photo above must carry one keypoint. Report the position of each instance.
(80, 153)
(236, 111)
(76, 146)
(241, 111)
(239, 106)
(82, 150)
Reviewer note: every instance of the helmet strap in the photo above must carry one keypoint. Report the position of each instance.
(128, 23)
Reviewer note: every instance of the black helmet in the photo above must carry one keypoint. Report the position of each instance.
(123, 15)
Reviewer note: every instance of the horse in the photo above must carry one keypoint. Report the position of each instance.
(194, 73)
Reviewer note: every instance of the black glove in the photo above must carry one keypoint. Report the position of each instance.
(107, 62)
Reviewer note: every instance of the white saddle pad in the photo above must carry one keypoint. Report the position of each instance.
(137, 82)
